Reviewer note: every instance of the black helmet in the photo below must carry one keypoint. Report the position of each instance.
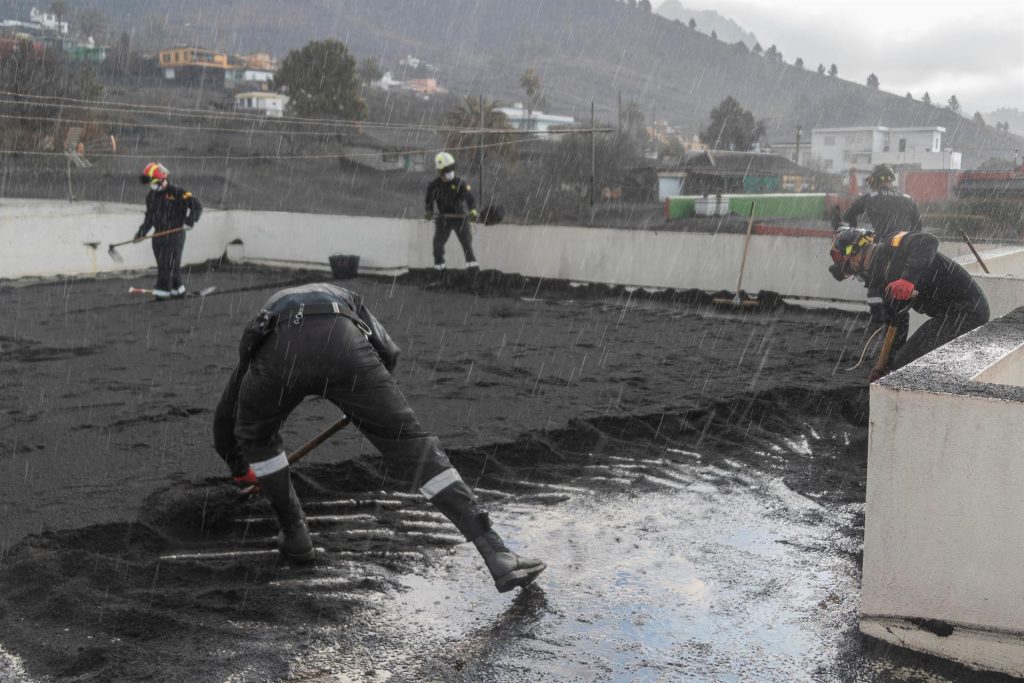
(882, 174)
(848, 242)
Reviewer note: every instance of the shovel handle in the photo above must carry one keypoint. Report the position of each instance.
(318, 439)
(149, 237)
(883, 356)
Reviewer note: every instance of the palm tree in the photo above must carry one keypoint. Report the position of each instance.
(530, 83)
(464, 121)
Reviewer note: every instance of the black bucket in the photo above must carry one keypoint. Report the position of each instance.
(344, 267)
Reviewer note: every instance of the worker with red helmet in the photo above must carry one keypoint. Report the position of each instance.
(170, 210)
(911, 273)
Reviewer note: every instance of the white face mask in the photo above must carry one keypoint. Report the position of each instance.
(448, 176)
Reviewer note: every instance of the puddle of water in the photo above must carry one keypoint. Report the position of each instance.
(652, 587)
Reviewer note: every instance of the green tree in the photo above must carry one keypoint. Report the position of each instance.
(645, 5)
(692, 23)
(60, 9)
(370, 70)
(833, 70)
(320, 80)
(954, 104)
(530, 83)
(821, 69)
(926, 98)
(633, 122)
(732, 127)
(93, 23)
(979, 119)
(28, 72)
(873, 81)
(909, 96)
(757, 49)
(799, 63)
(465, 119)
(714, 34)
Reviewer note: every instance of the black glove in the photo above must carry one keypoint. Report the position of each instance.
(140, 233)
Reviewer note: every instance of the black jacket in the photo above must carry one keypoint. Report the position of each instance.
(171, 207)
(449, 196)
(889, 211)
(941, 283)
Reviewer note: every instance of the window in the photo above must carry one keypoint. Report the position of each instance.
(830, 140)
(903, 145)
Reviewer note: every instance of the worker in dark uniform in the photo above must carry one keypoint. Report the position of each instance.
(890, 211)
(320, 340)
(446, 195)
(911, 273)
(167, 208)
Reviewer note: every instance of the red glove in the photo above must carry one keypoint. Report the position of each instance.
(900, 290)
(247, 483)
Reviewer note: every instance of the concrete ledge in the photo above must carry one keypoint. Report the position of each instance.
(978, 647)
(944, 538)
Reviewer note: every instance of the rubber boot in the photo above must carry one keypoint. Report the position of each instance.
(293, 541)
(507, 569)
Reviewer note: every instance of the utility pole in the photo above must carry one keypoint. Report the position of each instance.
(592, 162)
(620, 113)
(798, 131)
(480, 186)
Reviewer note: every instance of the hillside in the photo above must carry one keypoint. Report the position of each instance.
(727, 30)
(583, 50)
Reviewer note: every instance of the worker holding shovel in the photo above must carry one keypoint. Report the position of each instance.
(911, 273)
(170, 211)
(320, 340)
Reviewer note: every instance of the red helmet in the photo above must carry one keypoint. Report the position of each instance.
(154, 174)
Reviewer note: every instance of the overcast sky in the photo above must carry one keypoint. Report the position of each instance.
(973, 49)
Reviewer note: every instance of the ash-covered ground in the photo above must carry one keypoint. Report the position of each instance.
(693, 476)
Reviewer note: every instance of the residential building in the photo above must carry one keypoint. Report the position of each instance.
(187, 64)
(856, 150)
(249, 78)
(520, 119)
(269, 104)
(722, 172)
(48, 20)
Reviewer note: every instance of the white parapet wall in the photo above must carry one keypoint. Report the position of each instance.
(944, 515)
(45, 238)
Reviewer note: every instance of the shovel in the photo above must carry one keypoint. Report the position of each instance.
(318, 439)
(112, 249)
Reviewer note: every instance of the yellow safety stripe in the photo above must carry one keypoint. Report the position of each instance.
(897, 238)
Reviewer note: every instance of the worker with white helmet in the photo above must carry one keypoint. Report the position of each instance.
(451, 205)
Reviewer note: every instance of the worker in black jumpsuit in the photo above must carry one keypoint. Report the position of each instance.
(320, 340)
(447, 195)
(889, 211)
(911, 273)
(167, 208)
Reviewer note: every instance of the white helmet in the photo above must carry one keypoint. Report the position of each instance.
(443, 160)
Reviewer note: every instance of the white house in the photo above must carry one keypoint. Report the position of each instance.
(248, 78)
(270, 104)
(537, 121)
(859, 148)
(48, 20)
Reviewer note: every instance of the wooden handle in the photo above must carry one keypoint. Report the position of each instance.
(317, 440)
(746, 243)
(883, 356)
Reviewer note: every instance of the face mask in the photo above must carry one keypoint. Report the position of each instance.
(448, 176)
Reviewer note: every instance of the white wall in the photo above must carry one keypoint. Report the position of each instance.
(47, 238)
(943, 534)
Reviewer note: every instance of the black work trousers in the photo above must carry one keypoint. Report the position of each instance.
(167, 250)
(939, 330)
(329, 356)
(443, 228)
